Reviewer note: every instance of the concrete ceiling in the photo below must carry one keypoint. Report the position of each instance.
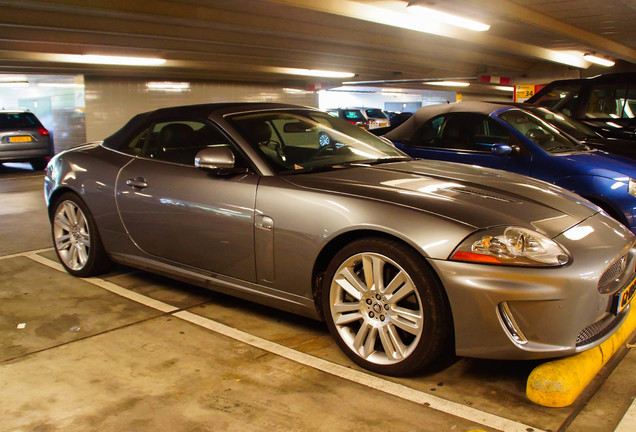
(248, 40)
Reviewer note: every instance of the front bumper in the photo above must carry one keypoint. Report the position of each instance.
(521, 313)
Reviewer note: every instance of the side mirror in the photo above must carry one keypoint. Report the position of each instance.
(501, 149)
(215, 158)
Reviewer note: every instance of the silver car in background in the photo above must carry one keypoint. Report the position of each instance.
(405, 260)
(24, 139)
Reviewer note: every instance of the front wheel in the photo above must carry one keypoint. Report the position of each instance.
(76, 239)
(385, 307)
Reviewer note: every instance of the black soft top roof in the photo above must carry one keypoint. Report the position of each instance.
(201, 111)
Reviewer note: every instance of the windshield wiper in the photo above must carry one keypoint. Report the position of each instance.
(342, 165)
(381, 160)
(560, 147)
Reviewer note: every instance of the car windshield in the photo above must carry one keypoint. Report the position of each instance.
(302, 141)
(568, 125)
(375, 113)
(541, 133)
(353, 115)
(561, 98)
(17, 121)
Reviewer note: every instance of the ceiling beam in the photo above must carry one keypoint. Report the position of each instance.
(523, 14)
(391, 17)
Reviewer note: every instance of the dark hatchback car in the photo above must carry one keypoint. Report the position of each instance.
(607, 103)
(24, 139)
(583, 133)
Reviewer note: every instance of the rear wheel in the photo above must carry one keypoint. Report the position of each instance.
(385, 307)
(76, 239)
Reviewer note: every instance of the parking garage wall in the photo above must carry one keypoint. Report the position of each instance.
(111, 102)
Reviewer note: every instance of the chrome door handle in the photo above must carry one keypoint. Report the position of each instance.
(138, 182)
(264, 223)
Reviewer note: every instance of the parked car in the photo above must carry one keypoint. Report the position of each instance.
(367, 118)
(288, 206)
(353, 116)
(514, 139)
(607, 103)
(376, 118)
(396, 120)
(583, 133)
(24, 139)
(398, 117)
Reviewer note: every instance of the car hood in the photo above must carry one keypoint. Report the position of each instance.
(597, 163)
(470, 195)
(622, 147)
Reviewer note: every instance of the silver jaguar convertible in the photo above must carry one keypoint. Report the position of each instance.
(405, 260)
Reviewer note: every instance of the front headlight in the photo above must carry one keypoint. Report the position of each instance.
(632, 187)
(511, 246)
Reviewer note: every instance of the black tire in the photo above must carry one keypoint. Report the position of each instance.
(38, 164)
(76, 238)
(412, 310)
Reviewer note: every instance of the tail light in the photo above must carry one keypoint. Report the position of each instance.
(43, 131)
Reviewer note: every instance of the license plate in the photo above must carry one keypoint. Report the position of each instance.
(383, 124)
(626, 296)
(19, 139)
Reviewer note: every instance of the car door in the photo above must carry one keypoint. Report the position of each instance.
(468, 138)
(184, 214)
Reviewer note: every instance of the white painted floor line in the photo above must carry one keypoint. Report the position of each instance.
(21, 254)
(371, 381)
(109, 286)
(628, 424)
(394, 389)
(23, 177)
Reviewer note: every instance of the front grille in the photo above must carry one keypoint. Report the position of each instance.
(611, 275)
(597, 330)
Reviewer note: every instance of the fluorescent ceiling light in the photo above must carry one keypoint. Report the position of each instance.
(447, 83)
(114, 60)
(14, 84)
(598, 60)
(61, 85)
(168, 86)
(314, 73)
(505, 88)
(295, 91)
(448, 18)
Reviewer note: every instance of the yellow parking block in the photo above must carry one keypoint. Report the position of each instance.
(558, 383)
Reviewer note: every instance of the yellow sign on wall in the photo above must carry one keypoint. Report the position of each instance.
(524, 92)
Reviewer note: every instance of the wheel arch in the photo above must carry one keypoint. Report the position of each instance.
(328, 251)
(55, 195)
(609, 208)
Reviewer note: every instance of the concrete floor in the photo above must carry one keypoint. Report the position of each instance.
(132, 351)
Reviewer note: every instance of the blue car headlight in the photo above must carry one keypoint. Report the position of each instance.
(515, 246)
(632, 187)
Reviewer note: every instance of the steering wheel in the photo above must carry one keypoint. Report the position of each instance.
(329, 148)
(539, 136)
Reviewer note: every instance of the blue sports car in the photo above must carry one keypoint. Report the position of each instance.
(511, 138)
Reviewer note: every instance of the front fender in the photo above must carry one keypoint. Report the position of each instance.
(612, 195)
